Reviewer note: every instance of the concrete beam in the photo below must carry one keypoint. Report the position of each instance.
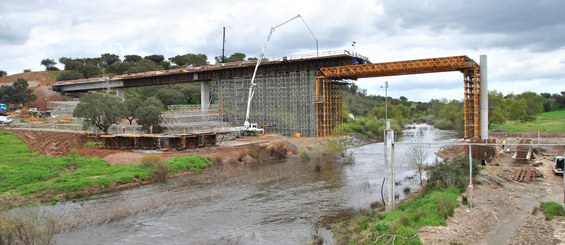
(87, 86)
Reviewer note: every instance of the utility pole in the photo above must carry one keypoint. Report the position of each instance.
(224, 45)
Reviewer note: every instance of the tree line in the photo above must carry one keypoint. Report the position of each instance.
(368, 112)
(112, 64)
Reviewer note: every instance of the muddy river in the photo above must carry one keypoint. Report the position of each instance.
(275, 203)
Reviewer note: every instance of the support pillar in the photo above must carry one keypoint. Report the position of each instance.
(389, 162)
(120, 92)
(484, 97)
(204, 95)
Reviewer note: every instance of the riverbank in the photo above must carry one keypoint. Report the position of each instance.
(504, 211)
(59, 167)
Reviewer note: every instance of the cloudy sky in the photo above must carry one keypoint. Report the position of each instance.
(524, 40)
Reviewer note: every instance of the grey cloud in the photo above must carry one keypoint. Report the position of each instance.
(12, 35)
(533, 24)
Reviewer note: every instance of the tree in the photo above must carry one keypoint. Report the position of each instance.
(22, 94)
(132, 58)
(142, 66)
(190, 92)
(232, 58)
(69, 75)
(108, 59)
(49, 64)
(534, 104)
(148, 114)
(190, 59)
(157, 58)
(130, 107)
(416, 155)
(99, 110)
(517, 110)
(18, 93)
(3, 73)
(496, 108)
(170, 96)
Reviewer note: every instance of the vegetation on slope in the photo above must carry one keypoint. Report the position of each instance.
(553, 121)
(23, 172)
(431, 208)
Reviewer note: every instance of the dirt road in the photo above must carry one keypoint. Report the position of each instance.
(505, 211)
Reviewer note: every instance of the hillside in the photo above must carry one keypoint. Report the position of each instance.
(35, 78)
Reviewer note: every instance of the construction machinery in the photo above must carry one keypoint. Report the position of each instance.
(3, 110)
(253, 128)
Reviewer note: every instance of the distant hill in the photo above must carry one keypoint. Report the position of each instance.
(35, 78)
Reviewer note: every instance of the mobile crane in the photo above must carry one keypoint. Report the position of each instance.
(253, 128)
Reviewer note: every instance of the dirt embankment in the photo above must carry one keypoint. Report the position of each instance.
(62, 142)
(50, 143)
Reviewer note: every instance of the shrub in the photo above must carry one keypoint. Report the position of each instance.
(552, 209)
(27, 226)
(156, 167)
(454, 173)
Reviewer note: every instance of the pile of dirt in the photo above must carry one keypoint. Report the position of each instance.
(51, 143)
(35, 79)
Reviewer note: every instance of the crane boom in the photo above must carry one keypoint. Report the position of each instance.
(246, 124)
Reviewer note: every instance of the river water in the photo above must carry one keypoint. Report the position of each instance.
(276, 203)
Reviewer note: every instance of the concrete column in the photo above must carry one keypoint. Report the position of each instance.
(389, 162)
(120, 92)
(204, 95)
(484, 97)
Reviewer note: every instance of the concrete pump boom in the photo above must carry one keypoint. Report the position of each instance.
(246, 124)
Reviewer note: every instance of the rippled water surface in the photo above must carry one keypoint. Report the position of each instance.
(276, 203)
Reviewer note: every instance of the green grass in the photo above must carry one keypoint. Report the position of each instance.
(552, 209)
(93, 143)
(183, 164)
(553, 121)
(25, 172)
(431, 209)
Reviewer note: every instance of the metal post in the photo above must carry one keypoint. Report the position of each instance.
(470, 178)
(386, 105)
(564, 182)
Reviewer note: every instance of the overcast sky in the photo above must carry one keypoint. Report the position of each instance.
(524, 40)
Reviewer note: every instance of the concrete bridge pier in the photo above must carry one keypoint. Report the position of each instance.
(484, 97)
(120, 92)
(204, 95)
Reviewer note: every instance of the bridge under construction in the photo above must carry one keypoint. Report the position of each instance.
(295, 94)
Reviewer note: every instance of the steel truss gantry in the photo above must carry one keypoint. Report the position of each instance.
(464, 64)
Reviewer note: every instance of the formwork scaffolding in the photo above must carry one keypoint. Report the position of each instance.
(161, 142)
(329, 105)
(183, 119)
(284, 102)
(62, 108)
